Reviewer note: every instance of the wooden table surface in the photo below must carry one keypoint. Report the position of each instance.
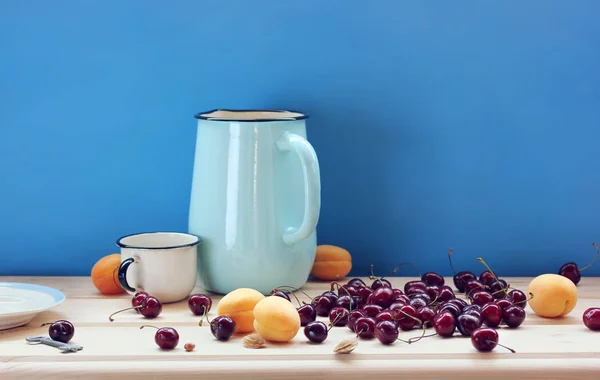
(546, 348)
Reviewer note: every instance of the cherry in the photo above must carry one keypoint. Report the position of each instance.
(432, 291)
(426, 314)
(487, 277)
(498, 289)
(469, 308)
(280, 293)
(485, 339)
(222, 327)
(481, 297)
(444, 323)
(591, 318)
(166, 338)
(382, 296)
(452, 308)
(407, 317)
(445, 294)
(517, 297)
(324, 304)
(138, 299)
(149, 308)
(418, 302)
(402, 298)
(199, 304)
(371, 310)
(316, 331)
(380, 283)
(307, 313)
(468, 323)
(424, 296)
(386, 332)
(363, 294)
(491, 314)
(397, 292)
(353, 317)
(338, 316)
(572, 272)
(414, 284)
(386, 315)
(461, 303)
(503, 303)
(61, 330)
(460, 279)
(347, 302)
(474, 285)
(513, 316)
(432, 279)
(357, 283)
(365, 327)
(413, 290)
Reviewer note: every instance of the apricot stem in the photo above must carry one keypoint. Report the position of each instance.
(110, 317)
(593, 261)
(407, 263)
(450, 260)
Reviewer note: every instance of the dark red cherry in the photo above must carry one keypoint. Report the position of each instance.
(371, 310)
(485, 339)
(451, 308)
(414, 290)
(354, 315)
(307, 313)
(467, 323)
(414, 284)
(346, 302)
(138, 299)
(445, 294)
(498, 289)
(316, 331)
(426, 314)
(513, 316)
(382, 296)
(472, 285)
(61, 330)
(491, 314)
(432, 291)
(503, 303)
(348, 290)
(406, 317)
(481, 297)
(166, 338)
(222, 327)
(402, 298)
(444, 324)
(517, 297)
(386, 332)
(363, 295)
(357, 283)
(458, 302)
(365, 327)
(572, 272)
(379, 283)
(338, 316)
(150, 307)
(462, 278)
(280, 293)
(591, 318)
(432, 279)
(418, 302)
(471, 308)
(423, 296)
(486, 277)
(323, 305)
(200, 304)
(386, 315)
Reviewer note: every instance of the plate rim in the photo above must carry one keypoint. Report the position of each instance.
(34, 287)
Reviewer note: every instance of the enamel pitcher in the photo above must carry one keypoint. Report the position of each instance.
(255, 200)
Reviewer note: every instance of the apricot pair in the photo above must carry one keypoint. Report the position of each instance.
(274, 318)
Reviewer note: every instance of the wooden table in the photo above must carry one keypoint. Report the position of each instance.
(546, 349)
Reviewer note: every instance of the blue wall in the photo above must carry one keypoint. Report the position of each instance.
(465, 124)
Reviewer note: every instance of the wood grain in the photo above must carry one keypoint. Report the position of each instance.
(546, 348)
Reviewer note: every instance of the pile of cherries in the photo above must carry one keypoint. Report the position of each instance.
(381, 311)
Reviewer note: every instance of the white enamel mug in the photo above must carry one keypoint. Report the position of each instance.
(164, 264)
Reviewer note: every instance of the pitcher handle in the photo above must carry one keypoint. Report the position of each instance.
(312, 185)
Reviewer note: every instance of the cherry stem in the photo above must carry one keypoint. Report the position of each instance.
(416, 339)
(407, 263)
(593, 261)
(283, 287)
(528, 299)
(410, 316)
(491, 271)
(332, 323)
(204, 315)
(46, 324)
(345, 290)
(110, 317)
(450, 260)
(372, 276)
(142, 326)
(501, 345)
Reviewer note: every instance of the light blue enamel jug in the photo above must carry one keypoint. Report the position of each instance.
(255, 200)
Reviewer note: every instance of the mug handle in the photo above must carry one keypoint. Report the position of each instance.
(312, 185)
(122, 275)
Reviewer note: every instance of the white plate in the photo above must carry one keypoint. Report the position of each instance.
(20, 302)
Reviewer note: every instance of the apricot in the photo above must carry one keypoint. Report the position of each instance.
(276, 319)
(239, 305)
(105, 274)
(553, 295)
(331, 263)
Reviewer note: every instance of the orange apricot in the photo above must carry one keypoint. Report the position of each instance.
(238, 305)
(276, 319)
(331, 263)
(105, 274)
(552, 295)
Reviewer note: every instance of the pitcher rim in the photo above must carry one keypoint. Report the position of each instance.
(206, 115)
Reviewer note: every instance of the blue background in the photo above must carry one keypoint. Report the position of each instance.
(465, 124)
